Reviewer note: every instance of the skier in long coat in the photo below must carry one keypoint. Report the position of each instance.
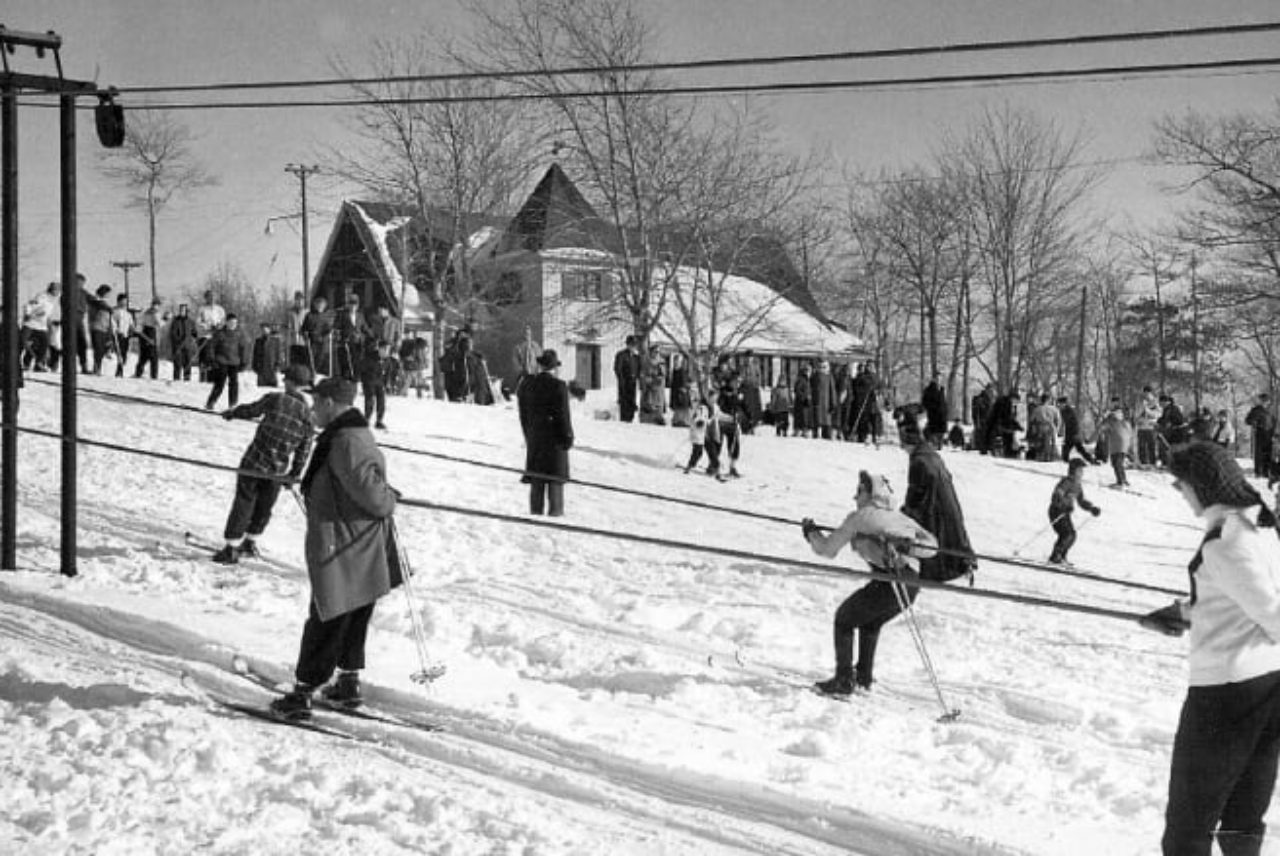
(351, 552)
(548, 435)
(931, 501)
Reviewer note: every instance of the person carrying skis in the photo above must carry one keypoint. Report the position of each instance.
(352, 555)
(279, 448)
(890, 542)
(1223, 770)
(1068, 493)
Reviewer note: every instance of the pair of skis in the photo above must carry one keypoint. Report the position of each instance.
(326, 718)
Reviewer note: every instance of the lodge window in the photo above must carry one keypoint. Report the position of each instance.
(585, 284)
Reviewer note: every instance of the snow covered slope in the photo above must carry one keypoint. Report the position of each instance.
(603, 695)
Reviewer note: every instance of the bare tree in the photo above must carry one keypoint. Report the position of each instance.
(630, 152)
(450, 160)
(155, 164)
(1024, 187)
(1234, 162)
(735, 219)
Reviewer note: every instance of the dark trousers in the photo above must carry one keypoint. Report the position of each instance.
(781, 422)
(375, 399)
(300, 355)
(1224, 768)
(182, 364)
(864, 612)
(1073, 444)
(122, 353)
(713, 456)
(82, 349)
(1262, 449)
(1147, 446)
(147, 354)
(334, 644)
(1117, 464)
(227, 377)
(251, 509)
(627, 401)
(1066, 530)
(35, 349)
(101, 344)
(542, 490)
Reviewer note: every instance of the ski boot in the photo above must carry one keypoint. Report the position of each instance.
(840, 685)
(294, 705)
(228, 555)
(248, 549)
(344, 691)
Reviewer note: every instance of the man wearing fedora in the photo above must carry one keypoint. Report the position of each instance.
(548, 435)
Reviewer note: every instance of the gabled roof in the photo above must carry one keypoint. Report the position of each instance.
(557, 216)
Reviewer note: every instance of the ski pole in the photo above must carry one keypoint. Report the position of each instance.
(427, 672)
(949, 714)
(1036, 537)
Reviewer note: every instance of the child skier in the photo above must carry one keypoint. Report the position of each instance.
(1068, 493)
(704, 433)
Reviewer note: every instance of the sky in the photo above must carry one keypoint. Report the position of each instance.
(152, 42)
(602, 696)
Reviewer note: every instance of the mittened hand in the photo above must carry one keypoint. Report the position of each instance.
(1167, 620)
(1097, 511)
(808, 527)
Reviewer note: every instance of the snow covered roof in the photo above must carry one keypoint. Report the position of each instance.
(752, 315)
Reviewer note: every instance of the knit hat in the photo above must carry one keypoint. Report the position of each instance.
(881, 492)
(1213, 474)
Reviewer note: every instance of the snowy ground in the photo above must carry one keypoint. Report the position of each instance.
(603, 696)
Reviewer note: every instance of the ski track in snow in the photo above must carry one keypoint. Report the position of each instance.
(602, 696)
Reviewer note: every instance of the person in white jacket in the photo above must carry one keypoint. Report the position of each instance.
(1225, 751)
(889, 542)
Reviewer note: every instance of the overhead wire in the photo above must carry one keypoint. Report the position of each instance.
(942, 49)
(775, 88)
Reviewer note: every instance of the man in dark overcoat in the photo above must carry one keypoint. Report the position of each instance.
(351, 552)
(627, 367)
(548, 435)
(934, 399)
(931, 501)
(982, 404)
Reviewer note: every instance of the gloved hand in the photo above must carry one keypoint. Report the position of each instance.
(228, 415)
(1167, 620)
(808, 527)
(1096, 511)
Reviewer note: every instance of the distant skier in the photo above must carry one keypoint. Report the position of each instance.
(353, 558)
(279, 448)
(890, 542)
(1068, 493)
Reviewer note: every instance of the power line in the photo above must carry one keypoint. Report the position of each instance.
(736, 62)
(798, 87)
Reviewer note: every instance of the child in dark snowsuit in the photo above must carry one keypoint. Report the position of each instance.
(1068, 493)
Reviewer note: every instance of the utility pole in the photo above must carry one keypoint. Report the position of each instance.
(126, 267)
(1084, 316)
(302, 172)
(1195, 334)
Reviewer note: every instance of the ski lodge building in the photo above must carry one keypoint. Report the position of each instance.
(551, 274)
